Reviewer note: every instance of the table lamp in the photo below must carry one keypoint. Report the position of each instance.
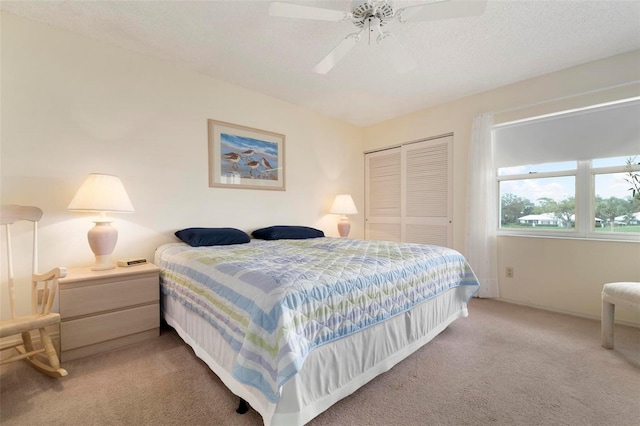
(102, 193)
(344, 205)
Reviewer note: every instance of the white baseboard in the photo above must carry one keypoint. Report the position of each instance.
(560, 311)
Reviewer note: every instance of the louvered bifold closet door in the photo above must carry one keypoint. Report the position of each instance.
(427, 209)
(383, 196)
(409, 193)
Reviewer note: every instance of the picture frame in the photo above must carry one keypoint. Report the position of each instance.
(245, 158)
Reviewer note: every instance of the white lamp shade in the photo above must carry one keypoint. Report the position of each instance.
(343, 204)
(102, 193)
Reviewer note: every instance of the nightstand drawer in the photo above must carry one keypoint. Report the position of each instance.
(99, 328)
(105, 310)
(91, 299)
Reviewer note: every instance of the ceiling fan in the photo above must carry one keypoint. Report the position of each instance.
(370, 16)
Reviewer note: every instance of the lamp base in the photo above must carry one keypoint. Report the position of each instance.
(103, 263)
(102, 240)
(344, 227)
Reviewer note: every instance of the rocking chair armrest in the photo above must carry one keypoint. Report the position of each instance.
(59, 272)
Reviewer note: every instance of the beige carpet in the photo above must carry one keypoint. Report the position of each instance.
(504, 365)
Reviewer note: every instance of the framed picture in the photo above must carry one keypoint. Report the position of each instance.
(242, 157)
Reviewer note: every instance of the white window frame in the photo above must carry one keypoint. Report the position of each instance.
(537, 232)
(584, 199)
(604, 235)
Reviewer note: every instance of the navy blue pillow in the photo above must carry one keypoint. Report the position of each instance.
(197, 237)
(287, 233)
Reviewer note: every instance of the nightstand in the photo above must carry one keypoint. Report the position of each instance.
(104, 310)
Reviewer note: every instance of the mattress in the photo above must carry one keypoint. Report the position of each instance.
(268, 317)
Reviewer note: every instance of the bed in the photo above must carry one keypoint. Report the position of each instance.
(293, 326)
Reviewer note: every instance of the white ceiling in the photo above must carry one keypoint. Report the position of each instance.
(238, 42)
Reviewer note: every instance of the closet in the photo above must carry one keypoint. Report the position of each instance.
(408, 192)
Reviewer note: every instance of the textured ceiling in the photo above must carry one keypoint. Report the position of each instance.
(238, 42)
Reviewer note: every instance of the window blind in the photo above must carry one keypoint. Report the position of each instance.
(609, 130)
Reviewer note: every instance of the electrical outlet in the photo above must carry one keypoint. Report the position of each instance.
(509, 272)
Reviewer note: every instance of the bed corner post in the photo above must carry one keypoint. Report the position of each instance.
(243, 407)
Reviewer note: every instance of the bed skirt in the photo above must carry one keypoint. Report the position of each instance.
(330, 372)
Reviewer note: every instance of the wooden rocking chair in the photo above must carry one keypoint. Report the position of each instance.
(43, 287)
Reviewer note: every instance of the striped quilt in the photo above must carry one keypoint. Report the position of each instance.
(274, 301)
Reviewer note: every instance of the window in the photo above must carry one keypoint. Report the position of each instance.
(615, 208)
(542, 200)
(571, 174)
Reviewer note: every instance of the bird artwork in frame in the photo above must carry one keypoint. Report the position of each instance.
(244, 157)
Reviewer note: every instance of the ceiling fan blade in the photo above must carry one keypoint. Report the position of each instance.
(442, 9)
(329, 61)
(402, 61)
(288, 10)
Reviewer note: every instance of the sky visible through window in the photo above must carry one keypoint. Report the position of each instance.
(561, 188)
(558, 189)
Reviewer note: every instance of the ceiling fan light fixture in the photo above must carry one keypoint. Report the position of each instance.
(364, 10)
(371, 16)
(374, 24)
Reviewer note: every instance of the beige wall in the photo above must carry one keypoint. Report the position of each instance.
(72, 106)
(566, 275)
(558, 274)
